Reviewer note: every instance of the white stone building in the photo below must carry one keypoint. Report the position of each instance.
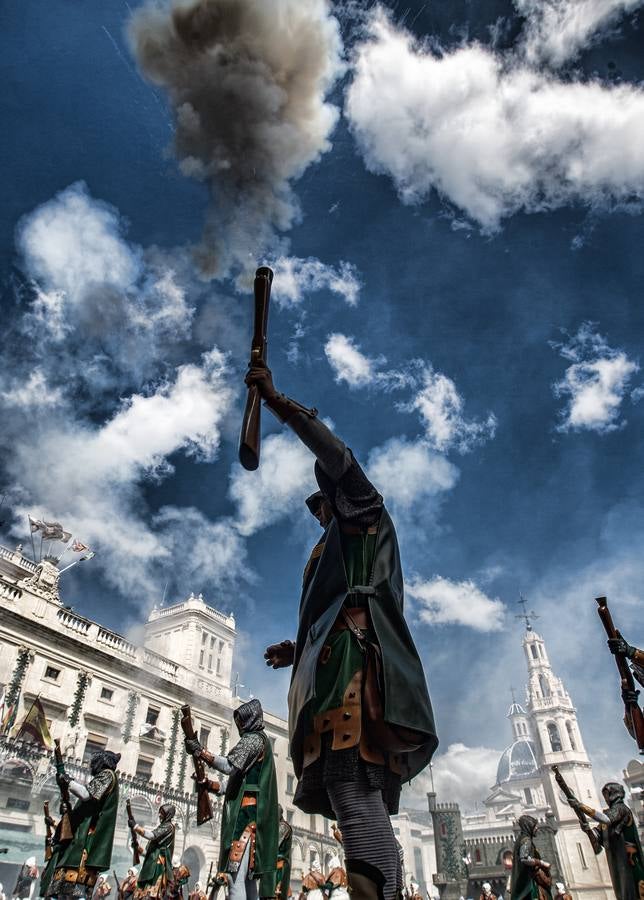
(544, 732)
(100, 690)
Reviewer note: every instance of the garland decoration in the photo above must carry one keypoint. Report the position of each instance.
(15, 687)
(182, 772)
(132, 703)
(224, 741)
(79, 696)
(172, 749)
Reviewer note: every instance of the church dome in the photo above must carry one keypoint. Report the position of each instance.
(519, 760)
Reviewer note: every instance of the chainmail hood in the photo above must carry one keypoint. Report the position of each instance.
(249, 717)
(104, 759)
(166, 812)
(528, 825)
(613, 791)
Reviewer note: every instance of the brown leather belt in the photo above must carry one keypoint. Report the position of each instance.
(249, 800)
(358, 614)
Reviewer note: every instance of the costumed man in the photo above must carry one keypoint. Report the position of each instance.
(26, 881)
(360, 718)
(128, 885)
(562, 893)
(486, 892)
(617, 835)
(250, 819)
(314, 882)
(156, 872)
(336, 879)
(284, 850)
(75, 864)
(197, 893)
(619, 647)
(103, 888)
(530, 874)
(180, 876)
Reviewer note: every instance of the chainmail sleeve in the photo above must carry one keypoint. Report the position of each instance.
(162, 831)
(246, 751)
(101, 784)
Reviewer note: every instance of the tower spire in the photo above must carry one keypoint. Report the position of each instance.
(528, 617)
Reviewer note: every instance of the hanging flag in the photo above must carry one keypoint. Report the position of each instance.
(7, 719)
(34, 726)
(89, 555)
(35, 524)
(53, 531)
(78, 547)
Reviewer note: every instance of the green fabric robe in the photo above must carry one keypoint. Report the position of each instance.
(99, 816)
(158, 858)
(522, 884)
(284, 851)
(621, 843)
(261, 780)
(406, 700)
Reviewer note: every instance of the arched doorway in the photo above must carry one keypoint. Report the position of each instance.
(195, 860)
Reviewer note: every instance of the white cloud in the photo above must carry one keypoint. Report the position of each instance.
(595, 383)
(295, 278)
(278, 488)
(89, 476)
(35, 392)
(557, 30)
(441, 410)
(488, 132)
(104, 315)
(408, 473)
(461, 774)
(348, 362)
(440, 601)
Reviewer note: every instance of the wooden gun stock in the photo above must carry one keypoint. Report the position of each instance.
(134, 843)
(49, 832)
(632, 710)
(65, 825)
(204, 809)
(583, 819)
(250, 439)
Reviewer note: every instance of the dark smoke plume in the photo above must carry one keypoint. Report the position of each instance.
(248, 81)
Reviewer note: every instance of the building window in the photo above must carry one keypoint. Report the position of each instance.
(201, 658)
(528, 796)
(107, 694)
(290, 784)
(152, 716)
(210, 662)
(94, 744)
(289, 816)
(582, 858)
(571, 735)
(52, 673)
(17, 803)
(533, 650)
(553, 734)
(545, 688)
(204, 637)
(219, 666)
(204, 736)
(144, 768)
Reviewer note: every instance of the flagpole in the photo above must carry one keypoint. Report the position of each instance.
(71, 541)
(70, 566)
(33, 703)
(31, 535)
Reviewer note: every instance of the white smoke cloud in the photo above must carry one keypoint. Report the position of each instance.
(348, 362)
(557, 30)
(294, 278)
(595, 384)
(488, 132)
(248, 82)
(440, 601)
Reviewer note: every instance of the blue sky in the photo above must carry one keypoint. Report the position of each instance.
(451, 197)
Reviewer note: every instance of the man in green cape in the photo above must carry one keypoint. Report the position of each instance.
(250, 820)
(617, 835)
(530, 874)
(360, 717)
(76, 864)
(284, 850)
(156, 871)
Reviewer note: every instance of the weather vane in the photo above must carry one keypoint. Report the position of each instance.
(527, 617)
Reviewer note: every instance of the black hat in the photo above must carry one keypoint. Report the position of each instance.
(314, 501)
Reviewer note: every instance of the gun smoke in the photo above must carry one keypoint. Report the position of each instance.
(247, 81)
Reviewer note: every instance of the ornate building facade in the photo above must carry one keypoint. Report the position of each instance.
(101, 690)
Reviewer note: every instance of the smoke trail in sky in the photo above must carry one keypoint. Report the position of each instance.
(247, 81)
